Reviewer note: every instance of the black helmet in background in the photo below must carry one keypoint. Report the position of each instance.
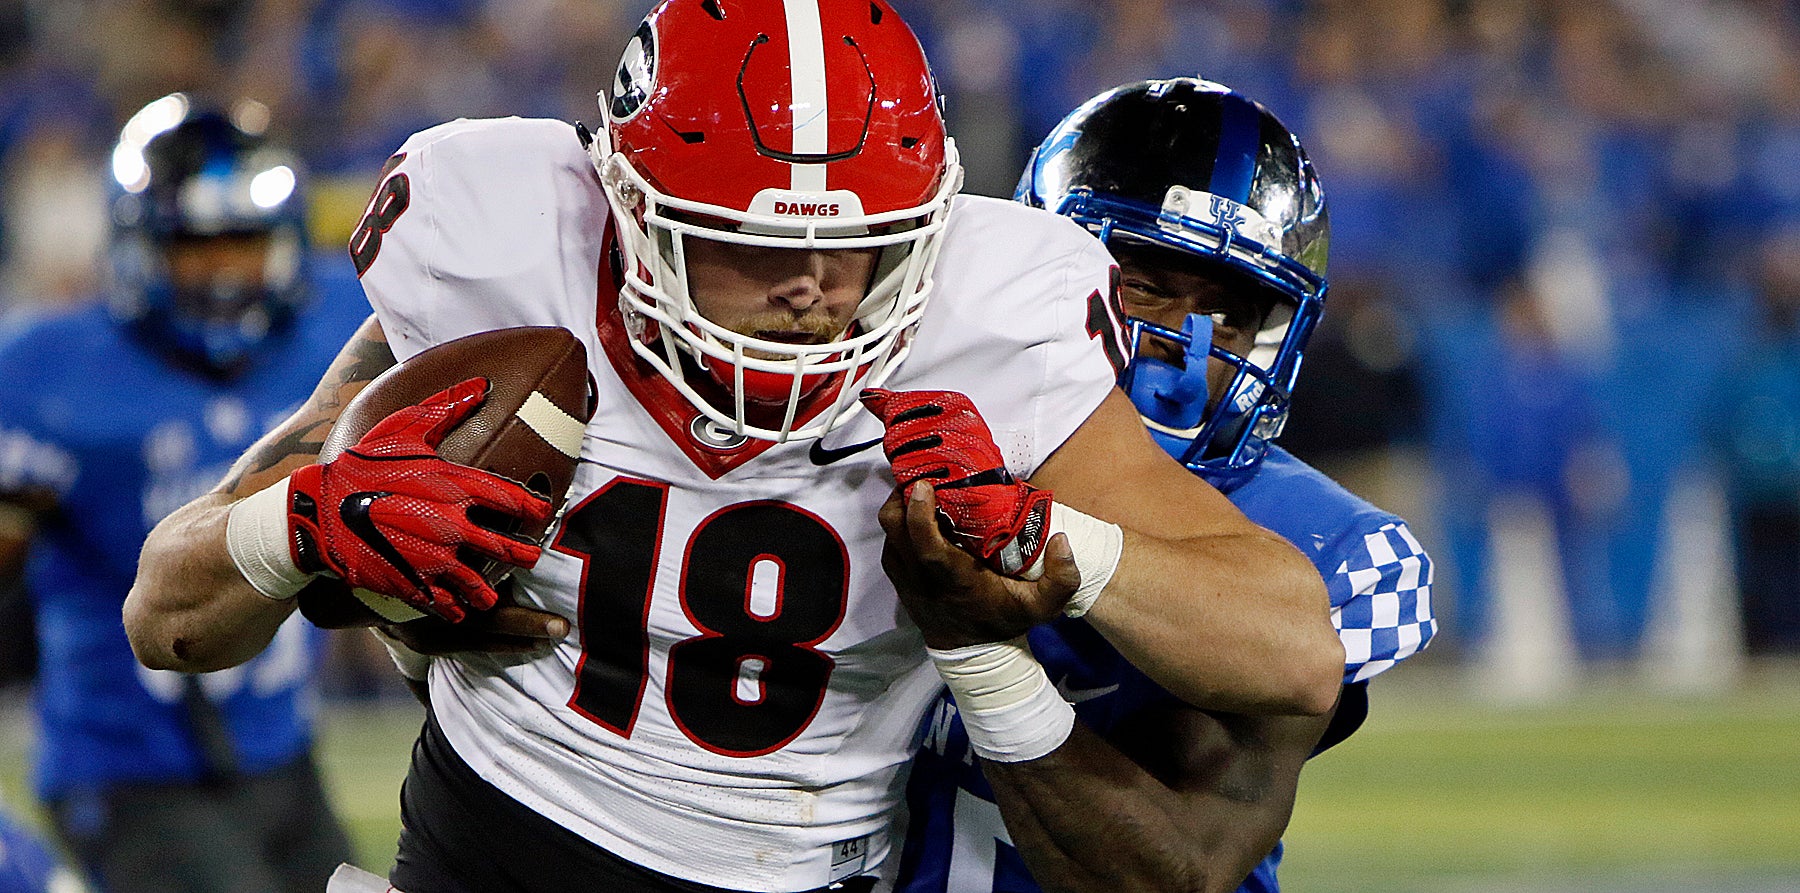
(192, 183)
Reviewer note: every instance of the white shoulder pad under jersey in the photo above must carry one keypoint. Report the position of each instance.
(741, 688)
(1024, 321)
(489, 224)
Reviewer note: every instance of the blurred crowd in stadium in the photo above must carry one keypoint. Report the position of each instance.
(1566, 270)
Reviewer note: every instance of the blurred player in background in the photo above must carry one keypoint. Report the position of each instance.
(1220, 229)
(27, 864)
(113, 416)
(766, 227)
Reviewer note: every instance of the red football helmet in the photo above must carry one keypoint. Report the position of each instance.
(809, 124)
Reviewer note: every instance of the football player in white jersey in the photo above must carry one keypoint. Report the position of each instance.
(764, 237)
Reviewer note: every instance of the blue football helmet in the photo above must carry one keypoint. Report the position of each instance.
(184, 171)
(1195, 167)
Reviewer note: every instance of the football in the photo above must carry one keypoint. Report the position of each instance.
(529, 429)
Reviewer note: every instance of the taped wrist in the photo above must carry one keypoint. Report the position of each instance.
(410, 663)
(1008, 706)
(259, 542)
(1096, 545)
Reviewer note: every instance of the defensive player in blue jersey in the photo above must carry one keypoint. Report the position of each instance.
(112, 417)
(1219, 225)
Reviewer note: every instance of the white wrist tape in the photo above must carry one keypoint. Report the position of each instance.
(256, 535)
(1097, 546)
(1008, 706)
(412, 664)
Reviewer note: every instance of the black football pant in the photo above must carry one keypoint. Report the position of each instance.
(460, 834)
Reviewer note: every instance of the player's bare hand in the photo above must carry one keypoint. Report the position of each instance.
(507, 629)
(955, 598)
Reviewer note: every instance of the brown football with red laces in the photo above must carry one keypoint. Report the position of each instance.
(529, 429)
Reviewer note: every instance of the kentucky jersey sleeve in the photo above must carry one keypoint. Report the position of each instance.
(1381, 599)
(1378, 577)
(478, 225)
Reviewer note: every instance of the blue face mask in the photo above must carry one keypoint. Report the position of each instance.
(1223, 442)
(1172, 396)
(219, 324)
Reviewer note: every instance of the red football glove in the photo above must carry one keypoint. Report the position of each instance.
(939, 436)
(389, 515)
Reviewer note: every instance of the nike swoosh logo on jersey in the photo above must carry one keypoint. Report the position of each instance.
(1078, 695)
(824, 455)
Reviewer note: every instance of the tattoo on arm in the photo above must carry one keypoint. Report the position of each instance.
(304, 441)
(303, 434)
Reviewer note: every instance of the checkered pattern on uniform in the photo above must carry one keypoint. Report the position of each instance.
(1382, 599)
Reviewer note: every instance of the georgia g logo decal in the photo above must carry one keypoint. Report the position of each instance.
(636, 76)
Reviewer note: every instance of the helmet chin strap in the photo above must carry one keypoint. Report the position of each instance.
(1173, 396)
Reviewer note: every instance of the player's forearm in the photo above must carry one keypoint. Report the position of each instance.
(190, 609)
(1086, 818)
(1173, 799)
(1194, 619)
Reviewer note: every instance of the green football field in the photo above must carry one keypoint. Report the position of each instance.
(1611, 791)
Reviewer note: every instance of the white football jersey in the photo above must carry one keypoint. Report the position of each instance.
(742, 686)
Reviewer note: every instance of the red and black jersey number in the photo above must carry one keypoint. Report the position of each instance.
(391, 199)
(1106, 322)
(752, 680)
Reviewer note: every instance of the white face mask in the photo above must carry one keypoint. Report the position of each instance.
(658, 306)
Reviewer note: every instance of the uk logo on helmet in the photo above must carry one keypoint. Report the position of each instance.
(636, 75)
(1229, 216)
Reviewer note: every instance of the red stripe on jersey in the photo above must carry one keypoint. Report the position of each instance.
(676, 416)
